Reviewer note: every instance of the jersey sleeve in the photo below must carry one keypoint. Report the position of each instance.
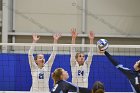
(52, 57)
(72, 59)
(77, 89)
(31, 58)
(123, 69)
(89, 58)
(84, 90)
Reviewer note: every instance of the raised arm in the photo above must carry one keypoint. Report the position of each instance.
(125, 70)
(74, 35)
(31, 50)
(53, 54)
(90, 54)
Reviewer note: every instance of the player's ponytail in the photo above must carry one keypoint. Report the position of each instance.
(98, 87)
(56, 75)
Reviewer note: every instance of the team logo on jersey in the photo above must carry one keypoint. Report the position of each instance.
(41, 75)
(80, 73)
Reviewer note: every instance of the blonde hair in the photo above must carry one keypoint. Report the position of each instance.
(35, 58)
(76, 56)
(56, 75)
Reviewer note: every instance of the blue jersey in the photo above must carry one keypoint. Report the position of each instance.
(64, 87)
(133, 76)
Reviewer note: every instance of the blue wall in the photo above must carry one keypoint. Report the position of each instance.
(15, 73)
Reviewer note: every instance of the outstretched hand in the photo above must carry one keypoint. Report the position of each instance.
(56, 37)
(91, 35)
(74, 33)
(35, 37)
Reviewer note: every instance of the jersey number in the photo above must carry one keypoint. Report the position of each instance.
(137, 80)
(80, 73)
(41, 75)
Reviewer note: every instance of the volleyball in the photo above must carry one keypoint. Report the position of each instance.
(102, 44)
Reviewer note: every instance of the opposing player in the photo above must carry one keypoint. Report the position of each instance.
(133, 76)
(40, 70)
(79, 66)
(62, 86)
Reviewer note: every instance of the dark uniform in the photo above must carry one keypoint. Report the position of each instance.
(133, 76)
(64, 87)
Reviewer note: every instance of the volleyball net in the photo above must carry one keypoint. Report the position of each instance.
(15, 72)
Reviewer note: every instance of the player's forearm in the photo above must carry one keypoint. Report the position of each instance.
(90, 55)
(31, 50)
(73, 50)
(91, 41)
(55, 41)
(124, 70)
(52, 56)
(34, 41)
(30, 54)
(114, 62)
(72, 59)
(89, 60)
(84, 90)
(73, 40)
(77, 89)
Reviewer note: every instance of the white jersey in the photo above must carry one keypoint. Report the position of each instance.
(80, 73)
(40, 77)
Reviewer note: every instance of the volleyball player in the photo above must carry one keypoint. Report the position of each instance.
(62, 86)
(79, 66)
(40, 70)
(133, 76)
